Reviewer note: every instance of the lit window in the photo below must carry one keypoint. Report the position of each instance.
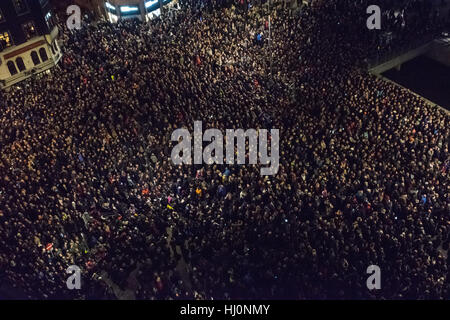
(110, 6)
(29, 30)
(129, 9)
(49, 20)
(5, 39)
(150, 3)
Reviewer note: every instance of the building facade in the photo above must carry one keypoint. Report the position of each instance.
(28, 40)
(143, 10)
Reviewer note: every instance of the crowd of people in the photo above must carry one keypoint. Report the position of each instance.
(86, 177)
(405, 25)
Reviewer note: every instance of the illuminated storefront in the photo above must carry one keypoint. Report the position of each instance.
(143, 10)
(111, 11)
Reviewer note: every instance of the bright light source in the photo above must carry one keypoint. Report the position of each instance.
(129, 9)
(110, 6)
(154, 14)
(112, 17)
(150, 3)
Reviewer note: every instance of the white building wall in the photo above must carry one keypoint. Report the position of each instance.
(5, 76)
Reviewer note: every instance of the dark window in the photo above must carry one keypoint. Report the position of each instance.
(43, 54)
(20, 64)
(35, 58)
(12, 68)
(2, 17)
(29, 30)
(53, 50)
(21, 6)
(5, 40)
